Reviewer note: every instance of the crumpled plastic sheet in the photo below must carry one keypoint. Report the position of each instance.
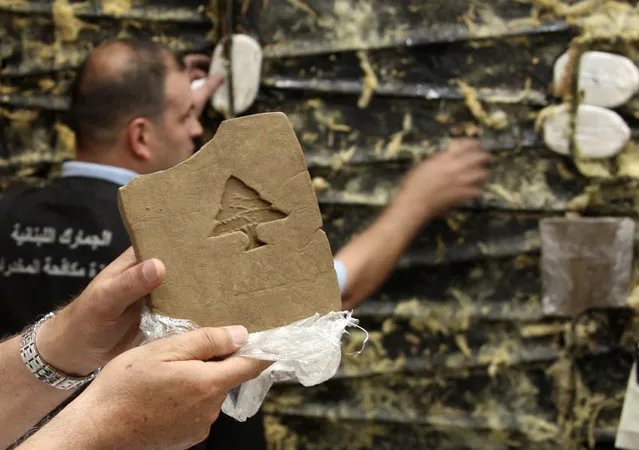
(307, 351)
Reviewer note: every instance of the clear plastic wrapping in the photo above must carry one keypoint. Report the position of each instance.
(308, 351)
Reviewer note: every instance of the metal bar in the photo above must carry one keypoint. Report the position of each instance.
(229, 55)
(153, 14)
(411, 38)
(414, 90)
(45, 102)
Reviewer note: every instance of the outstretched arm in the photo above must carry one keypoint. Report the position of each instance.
(163, 395)
(431, 188)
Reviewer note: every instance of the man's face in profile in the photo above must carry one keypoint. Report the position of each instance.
(179, 124)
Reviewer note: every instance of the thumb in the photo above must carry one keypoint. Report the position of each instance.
(205, 91)
(212, 83)
(119, 291)
(202, 344)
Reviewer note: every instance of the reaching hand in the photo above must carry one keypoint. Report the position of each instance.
(429, 189)
(197, 66)
(202, 94)
(449, 178)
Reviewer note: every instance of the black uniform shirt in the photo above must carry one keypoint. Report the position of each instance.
(53, 241)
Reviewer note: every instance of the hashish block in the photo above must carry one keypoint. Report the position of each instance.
(239, 229)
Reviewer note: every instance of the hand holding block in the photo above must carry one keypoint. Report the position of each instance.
(239, 229)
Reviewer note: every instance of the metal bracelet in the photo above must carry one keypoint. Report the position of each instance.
(42, 370)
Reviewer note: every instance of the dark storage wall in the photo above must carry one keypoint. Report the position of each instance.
(459, 353)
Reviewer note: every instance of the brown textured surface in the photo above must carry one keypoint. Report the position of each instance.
(238, 228)
(586, 263)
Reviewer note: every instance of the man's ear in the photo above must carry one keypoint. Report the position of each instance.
(140, 135)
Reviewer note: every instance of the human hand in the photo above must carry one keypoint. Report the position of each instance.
(197, 66)
(203, 93)
(103, 321)
(447, 179)
(163, 395)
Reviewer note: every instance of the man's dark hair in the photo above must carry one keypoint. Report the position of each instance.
(109, 91)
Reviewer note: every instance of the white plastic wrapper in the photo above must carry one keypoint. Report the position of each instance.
(308, 351)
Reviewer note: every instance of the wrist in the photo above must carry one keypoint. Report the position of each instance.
(73, 428)
(54, 346)
(410, 208)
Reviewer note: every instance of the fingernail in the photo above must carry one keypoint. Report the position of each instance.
(238, 333)
(150, 272)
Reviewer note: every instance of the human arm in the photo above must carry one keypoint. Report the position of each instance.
(98, 325)
(162, 395)
(431, 188)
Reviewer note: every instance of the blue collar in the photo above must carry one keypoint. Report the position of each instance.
(117, 175)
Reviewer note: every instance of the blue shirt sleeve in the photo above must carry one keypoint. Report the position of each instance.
(340, 270)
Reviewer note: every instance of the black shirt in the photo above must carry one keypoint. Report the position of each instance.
(53, 241)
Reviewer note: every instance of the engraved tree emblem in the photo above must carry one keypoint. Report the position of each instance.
(242, 209)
